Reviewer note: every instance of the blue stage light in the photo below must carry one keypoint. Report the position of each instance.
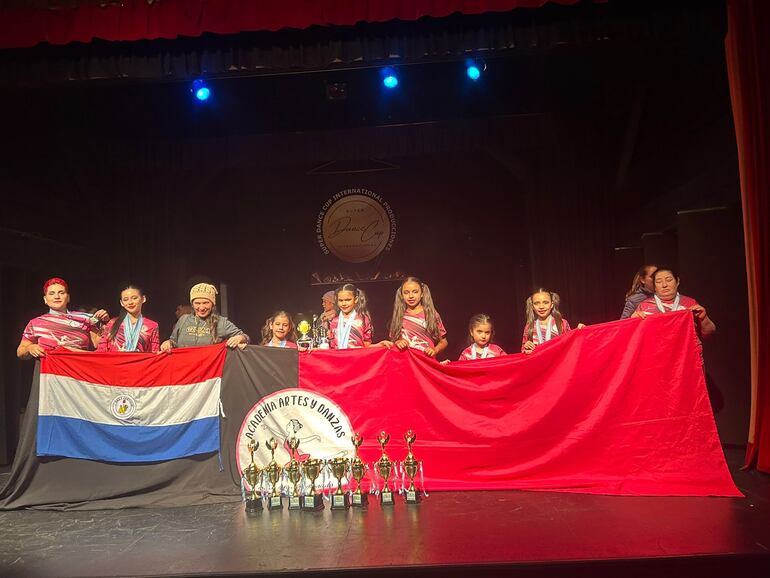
(200, 90)
(389, 78)
(390, 81)
(473, 72)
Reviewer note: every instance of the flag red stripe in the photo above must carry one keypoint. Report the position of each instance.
(181, 367)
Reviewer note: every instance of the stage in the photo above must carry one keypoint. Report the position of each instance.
(450, 533)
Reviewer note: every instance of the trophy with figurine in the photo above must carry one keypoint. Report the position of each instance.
(410, 466)
(358, 470)
(384, 467)
(252, 474)
(294, 472)
(320, 338)
(305, 341)
(273, 473)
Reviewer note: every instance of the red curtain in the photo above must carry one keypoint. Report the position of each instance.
(617, 408)
(748, 64)
(138, 20)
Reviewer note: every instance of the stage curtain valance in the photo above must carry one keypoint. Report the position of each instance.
(493, 34)
(142, 20)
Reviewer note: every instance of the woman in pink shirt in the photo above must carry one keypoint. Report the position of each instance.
(667, 298)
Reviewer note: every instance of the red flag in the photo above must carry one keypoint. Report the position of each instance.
(617, 408)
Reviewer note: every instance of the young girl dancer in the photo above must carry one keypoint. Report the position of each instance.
(279, 331)
(352, 327)
(415, 322)
(130, 330)
(544, 321)
(481, 332)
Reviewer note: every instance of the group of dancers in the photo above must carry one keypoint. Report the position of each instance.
(345, 321)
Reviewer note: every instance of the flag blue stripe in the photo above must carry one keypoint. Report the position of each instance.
(77, 438)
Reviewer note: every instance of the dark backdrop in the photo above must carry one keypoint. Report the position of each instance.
(532, 177)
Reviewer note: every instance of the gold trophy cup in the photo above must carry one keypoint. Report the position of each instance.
(295, 474)
(305, 341)
(273, 471)
(384, 466)
(358, 469)
(340, 499)
(411, 465)
(252, 473)
(312, 501)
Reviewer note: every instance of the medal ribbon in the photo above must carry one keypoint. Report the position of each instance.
(674, 306)
(548, 329)
(131, 335)
(343, 329)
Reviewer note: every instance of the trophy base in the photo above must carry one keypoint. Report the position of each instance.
(340, 501)
(412, 497)
(359, 500)
(313, 503)
(295, 503)
(253, 506)
(386, 498)
(276, 503)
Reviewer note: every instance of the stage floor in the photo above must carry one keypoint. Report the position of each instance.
(450, 534)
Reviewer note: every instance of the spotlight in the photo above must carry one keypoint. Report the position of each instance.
(474, 68)
(389, 78)
(200, 90)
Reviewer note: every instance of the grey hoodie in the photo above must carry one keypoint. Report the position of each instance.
(190, 331)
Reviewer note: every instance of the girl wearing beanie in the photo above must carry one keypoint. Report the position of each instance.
(204, 326)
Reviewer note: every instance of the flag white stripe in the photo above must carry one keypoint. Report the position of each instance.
(155, 406)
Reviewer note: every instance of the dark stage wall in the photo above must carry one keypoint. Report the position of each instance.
(532, 178)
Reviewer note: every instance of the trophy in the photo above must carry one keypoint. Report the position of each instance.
(295, 474)
(384, 466)
(273, 472)
(358, 469)
(340, 499)
(411, 465)
(252, 473)
(312, 501)
(305, 341)
(320, 339)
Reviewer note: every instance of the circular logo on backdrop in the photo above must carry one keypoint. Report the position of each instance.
(355, 225)
(321, 426)
(123, 406)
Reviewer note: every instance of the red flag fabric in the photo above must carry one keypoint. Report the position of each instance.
(617, 408)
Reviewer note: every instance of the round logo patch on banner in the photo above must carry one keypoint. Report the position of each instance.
(321, 426)
(123, 406)
(356, 225)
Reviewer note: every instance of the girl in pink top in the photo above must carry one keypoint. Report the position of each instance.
(130, 330)
(481, 332)
(279, 331)
(415, 322)
(544, 321)
(352, 327)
